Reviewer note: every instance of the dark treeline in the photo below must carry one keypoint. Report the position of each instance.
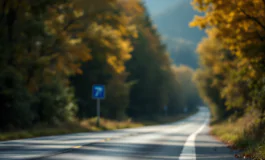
(52, 52)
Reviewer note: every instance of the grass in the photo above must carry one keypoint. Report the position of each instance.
(87, 125)
(243, 134)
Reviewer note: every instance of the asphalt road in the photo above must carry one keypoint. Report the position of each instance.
(187, 139)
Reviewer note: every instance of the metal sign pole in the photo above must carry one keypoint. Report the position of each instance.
(98, 112)
(98, 93)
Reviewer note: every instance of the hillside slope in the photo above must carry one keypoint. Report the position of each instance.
(174, 22)
(173, 25)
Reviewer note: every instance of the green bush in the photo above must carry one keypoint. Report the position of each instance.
(55, 103)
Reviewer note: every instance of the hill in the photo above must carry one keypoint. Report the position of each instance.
(172, 23)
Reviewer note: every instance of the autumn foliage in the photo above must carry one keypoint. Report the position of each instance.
(52, 52)
(232, 59)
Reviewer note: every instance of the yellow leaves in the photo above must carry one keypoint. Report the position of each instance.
(117, 65)
(132, 7)
(111, 40)
(200, 5)
(133, 30)
(217, 69)
(122, 29)
(236, 21)
(228, 26)
(210, 48)
(231, 16)
(246, 25)
(69, 62)
(125, 46)
(238, 53)
(68, 33)
(83, 26)
(60, 18)
(240, 3)
(78, 13)
(198, 21)
(74, 41)
(121, 53)
(239, 29)
(112, 60)
(251, 72)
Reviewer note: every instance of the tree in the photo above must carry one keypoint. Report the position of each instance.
(217, 77)
(189, 93)
(240, 27)
(27, 64)
(108, 31)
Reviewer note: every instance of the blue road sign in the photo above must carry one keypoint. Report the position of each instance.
(98, 91)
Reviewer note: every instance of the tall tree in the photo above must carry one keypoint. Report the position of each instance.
(108, 31)
(150, 69)
(27, 65)
(240, 27)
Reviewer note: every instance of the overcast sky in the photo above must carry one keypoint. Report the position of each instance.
(155, 7)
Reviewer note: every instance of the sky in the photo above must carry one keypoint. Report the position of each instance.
(156, 7)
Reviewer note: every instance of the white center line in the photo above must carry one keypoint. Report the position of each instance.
(188, 151)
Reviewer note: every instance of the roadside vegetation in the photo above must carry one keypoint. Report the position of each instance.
(242, 134)
(231, 75)
(88, 125)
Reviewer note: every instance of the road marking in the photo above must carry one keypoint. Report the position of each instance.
(77, 146)
(188, 151)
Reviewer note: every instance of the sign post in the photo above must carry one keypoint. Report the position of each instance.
(98, 112)
(98, 93)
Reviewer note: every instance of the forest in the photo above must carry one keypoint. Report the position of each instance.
(52, 52)
(231, 77)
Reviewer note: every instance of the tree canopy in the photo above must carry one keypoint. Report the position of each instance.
(232, 56)
(53, 52)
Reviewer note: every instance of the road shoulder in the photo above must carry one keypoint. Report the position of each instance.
(209, 148)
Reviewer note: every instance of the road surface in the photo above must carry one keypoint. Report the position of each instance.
(187, 139)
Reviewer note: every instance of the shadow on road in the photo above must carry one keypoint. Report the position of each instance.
(154, 151)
